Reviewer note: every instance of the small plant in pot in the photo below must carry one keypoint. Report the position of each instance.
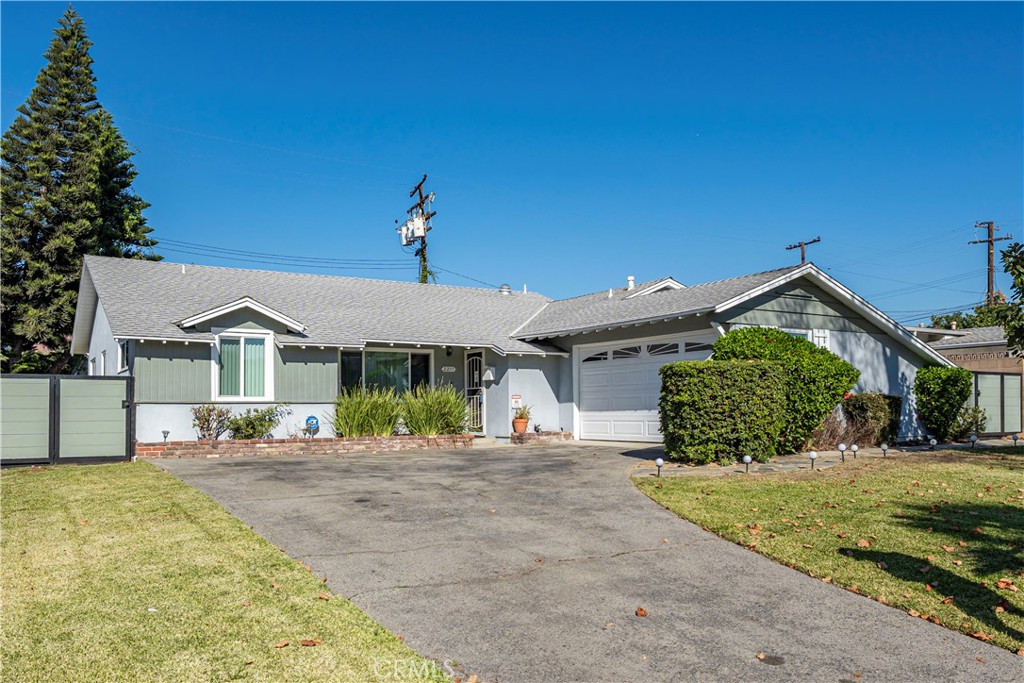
(521, 419)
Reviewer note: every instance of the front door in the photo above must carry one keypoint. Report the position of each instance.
(475, 390)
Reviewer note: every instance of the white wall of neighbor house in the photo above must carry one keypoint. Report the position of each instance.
(152, 418)
(103, 358)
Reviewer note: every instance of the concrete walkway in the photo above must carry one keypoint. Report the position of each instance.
(529, 564)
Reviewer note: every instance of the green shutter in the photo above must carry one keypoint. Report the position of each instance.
(255, 366)
(230, 367)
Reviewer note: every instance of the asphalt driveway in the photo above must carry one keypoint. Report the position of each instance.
(528, 564)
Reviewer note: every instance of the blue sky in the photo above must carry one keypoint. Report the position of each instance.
(570, 145)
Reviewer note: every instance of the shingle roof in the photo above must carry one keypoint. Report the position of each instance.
(146, 299)
(597, 310)
(973, 337)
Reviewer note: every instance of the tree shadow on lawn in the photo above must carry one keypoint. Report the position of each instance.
(969, 596)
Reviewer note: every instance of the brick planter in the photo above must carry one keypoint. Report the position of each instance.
(338, 446)
(529, 438)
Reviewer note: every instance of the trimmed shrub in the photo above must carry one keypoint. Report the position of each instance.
(876, 416)
(816, 379)
(210, 421)
(429, 411)
(715, 411)
(366, 412)
(971, 420)
(941, 394)
(257, 423)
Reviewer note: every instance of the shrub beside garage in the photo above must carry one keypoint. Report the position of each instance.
(716, 411)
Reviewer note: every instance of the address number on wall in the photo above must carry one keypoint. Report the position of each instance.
(448, 368)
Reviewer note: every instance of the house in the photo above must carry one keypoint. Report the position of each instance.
(998, 372)
(586, 365)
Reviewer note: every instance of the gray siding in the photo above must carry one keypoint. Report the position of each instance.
(244, 318)
(538, 380)
(172, 373)
(798, 305)
(307, 375)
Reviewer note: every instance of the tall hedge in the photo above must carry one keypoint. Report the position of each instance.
(816, 379)
(715, 411)
(941, 394)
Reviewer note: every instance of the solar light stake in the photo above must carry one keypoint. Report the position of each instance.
(660, 463)
(932, 442)
(854, 449)
(974, 440)
(1015, 437)
(885, 449)
(842, 451)
(746, 462)
(813, 456)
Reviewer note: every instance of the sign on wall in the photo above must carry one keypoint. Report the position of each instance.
(517, 400)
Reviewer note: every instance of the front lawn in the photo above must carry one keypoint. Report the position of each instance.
(123, 573)
(938, 534)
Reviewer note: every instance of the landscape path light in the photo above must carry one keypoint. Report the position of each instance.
(813, 456)
(746, 462)
(1015, 437)
(854, 450)
(974, 440)
(885, 449)
(659, 463)
(842, 451)
(932, 442)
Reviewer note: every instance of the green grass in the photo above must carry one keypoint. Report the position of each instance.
(929, 533)
(123, 573)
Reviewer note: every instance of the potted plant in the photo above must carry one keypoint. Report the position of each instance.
(521, 419)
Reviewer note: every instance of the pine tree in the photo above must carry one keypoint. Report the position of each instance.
(65, 187)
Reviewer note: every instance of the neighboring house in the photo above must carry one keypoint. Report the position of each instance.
(998, 373)
(586, 365)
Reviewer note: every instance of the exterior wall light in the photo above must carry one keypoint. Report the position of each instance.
(659, 463)
(813, 456)
(842, 451)
(166, 434)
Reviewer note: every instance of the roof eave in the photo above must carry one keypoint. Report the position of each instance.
(551, 334)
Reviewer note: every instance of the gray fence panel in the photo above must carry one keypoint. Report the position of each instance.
(24, 419)
(93, 419)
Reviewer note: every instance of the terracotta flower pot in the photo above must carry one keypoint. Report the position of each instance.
(520, 426)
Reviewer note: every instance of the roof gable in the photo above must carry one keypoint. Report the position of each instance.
(245, 303)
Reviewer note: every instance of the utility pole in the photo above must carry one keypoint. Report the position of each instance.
(990, 295)
(417, 226)
(802, 246)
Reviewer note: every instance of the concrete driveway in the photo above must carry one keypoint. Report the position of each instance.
(527, 564)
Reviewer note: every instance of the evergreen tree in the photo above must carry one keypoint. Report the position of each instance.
(65, 187)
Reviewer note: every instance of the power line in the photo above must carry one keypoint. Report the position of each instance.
(242, 252)
(291, 261)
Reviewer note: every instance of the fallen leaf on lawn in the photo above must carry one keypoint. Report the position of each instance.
(324, 596)
(641, 612)
(760, 655)
(963, 544)
(931, 558)
(883, 565)
(1005, 584)
(863, 543)
(740, 525)
(1021, 652)
(281, 643)
(808, 546)
(935, 620)
(928, 588)
(827, 579)
(948, 600)
(913, 613)
(981, 635)
(841, 534)
(948, 548)
(83, 522)
(310, 643)
(958, 562)
(1000, 609)
(907, 594)
(978, 530)
(881, 599)
(924, 570)
(275, 586)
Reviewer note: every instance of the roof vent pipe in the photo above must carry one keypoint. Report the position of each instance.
(629, 282)
(505, 290)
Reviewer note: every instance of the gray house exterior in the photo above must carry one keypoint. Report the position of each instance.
(586, 365)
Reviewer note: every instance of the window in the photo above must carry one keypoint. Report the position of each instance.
(694, 347)
(820, 338)
(626, 352)
(122, 355)
(351, 369)
(663, 349)
(401, 370)
(244, 366)
(596, 357)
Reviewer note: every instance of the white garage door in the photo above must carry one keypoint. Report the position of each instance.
(620, 386)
